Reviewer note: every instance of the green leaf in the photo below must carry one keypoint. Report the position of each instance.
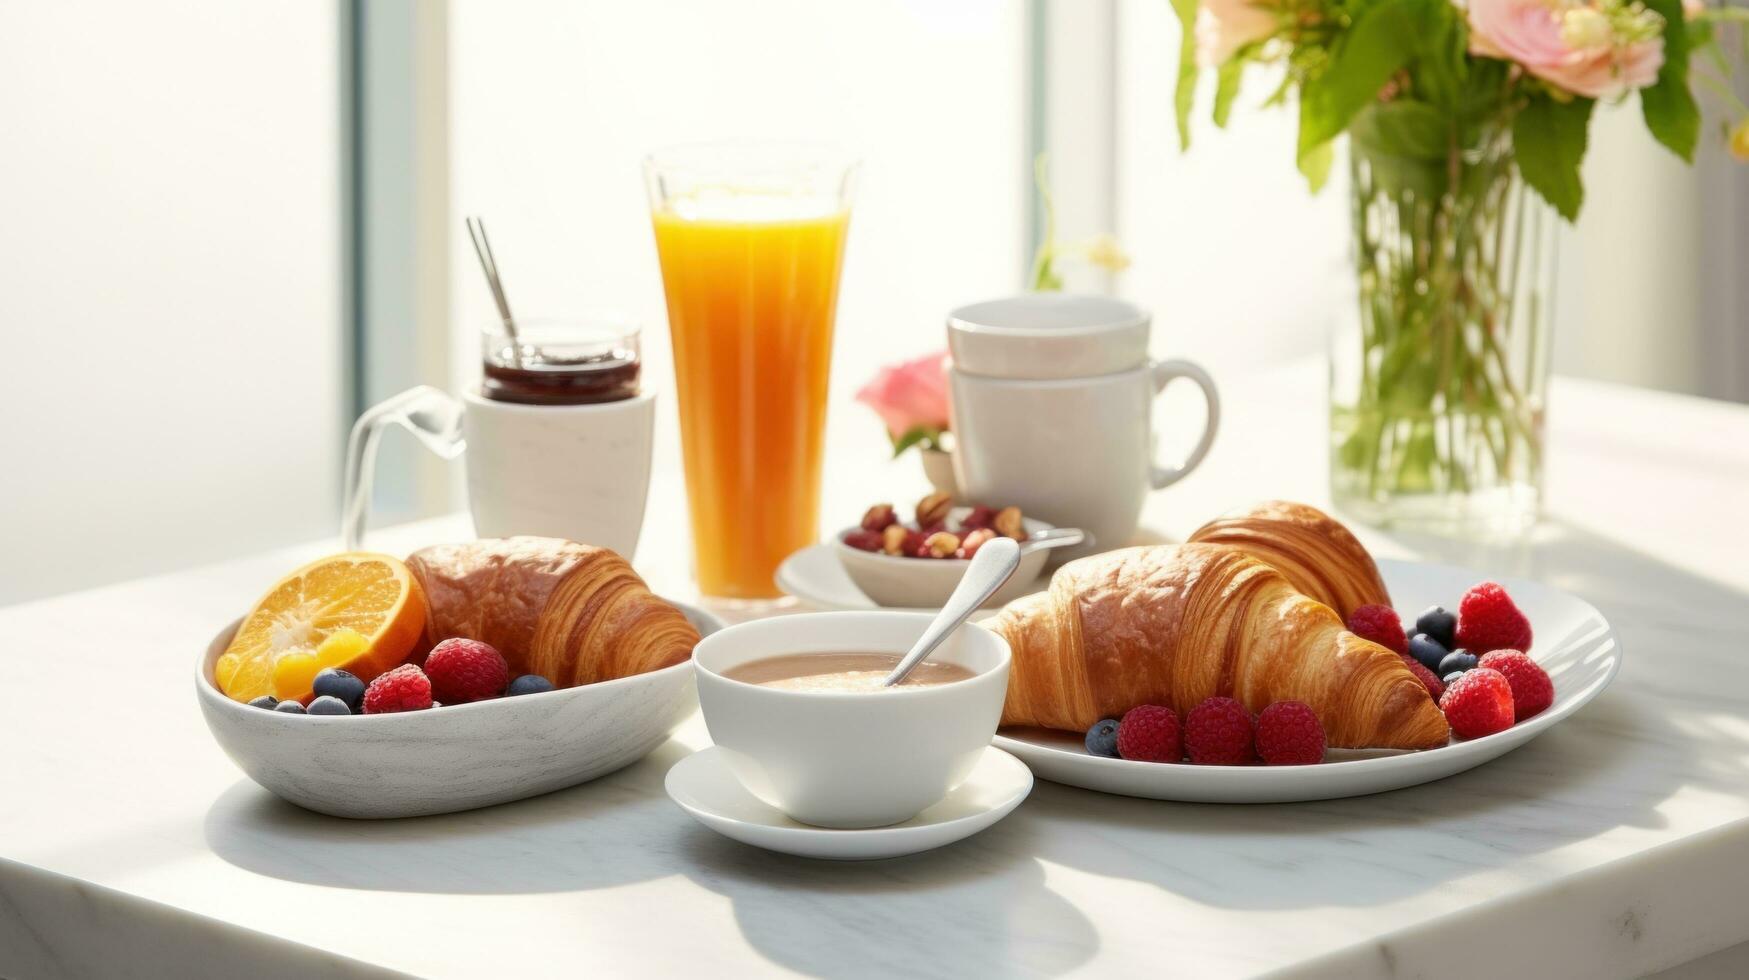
(1316, 164)
(1668, 105)
(1381, 41)
(1548, 139)
(1403, 128)
(1184, 96)
(918, 435)
(1227, 89)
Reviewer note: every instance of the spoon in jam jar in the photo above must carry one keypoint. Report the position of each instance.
(993, 564)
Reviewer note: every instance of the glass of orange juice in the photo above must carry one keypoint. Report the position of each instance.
(751, 240)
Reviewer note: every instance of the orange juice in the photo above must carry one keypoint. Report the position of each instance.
(750, 310)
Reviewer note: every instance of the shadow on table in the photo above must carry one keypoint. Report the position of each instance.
(1610, 766)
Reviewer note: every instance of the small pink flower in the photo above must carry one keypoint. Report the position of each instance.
(1574, 46)
(910, 394)
(1225, 26)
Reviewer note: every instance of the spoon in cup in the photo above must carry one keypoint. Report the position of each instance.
(992, 566)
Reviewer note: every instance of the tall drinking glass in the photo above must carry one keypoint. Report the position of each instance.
(751, 240)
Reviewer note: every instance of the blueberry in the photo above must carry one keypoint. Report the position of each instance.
(336, 683)
(289, 707)
(1452, 677)
(1427, 650)
(265, 701)
(1456, 662)
(1439, 625)
(529, 684)
(328, 704)
(1102, 738)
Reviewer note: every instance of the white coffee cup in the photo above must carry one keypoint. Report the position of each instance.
(1052, 410)
(849, 759)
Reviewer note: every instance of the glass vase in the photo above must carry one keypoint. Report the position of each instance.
(1439, 368)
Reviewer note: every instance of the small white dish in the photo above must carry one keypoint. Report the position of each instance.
(896, 582)
(1574, 643)
(851, 758)
(817, 579)
(457, 757)
(704, 787)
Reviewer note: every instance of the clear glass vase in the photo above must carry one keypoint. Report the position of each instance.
(1439, 368)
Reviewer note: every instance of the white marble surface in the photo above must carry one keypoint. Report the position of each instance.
(1615, 845)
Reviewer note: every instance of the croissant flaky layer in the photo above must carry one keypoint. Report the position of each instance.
(573, 613)
(1317, 554)
(1174, 625)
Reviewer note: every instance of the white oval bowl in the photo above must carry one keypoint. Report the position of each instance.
(457, 757)
(925, 583)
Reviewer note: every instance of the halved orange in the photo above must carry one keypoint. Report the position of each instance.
(361, 612)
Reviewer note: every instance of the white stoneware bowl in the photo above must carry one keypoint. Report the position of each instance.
(456, 757)
(925, 583)
(851, 759)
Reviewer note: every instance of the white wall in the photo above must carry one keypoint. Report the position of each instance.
(171, 386)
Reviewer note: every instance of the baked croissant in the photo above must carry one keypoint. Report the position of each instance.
(1319, 556)
(1173, 625)
(571, 613)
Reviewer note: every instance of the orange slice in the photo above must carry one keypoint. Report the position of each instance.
(360, 612)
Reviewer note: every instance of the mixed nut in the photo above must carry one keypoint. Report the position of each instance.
(928, 536)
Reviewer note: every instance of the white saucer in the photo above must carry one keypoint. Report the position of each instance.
(816, 577)
(1574, 643)
(703, 786)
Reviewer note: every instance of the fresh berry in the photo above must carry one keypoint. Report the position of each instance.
(1456, 662)
(1380, 625)
(1452, 677)
(1478, 703)
(1439, 624)
(864, 540)
(879, 517)
(1219, 732)
(289, 707)
(1427, 650)
(529, 684)
(1489, 620)
(336, 683)
(1102, 738)
(466, 670)
(328, 704)
(1427, 677)
(1532, 691)
(1288, 734)
(265, 701)
(978, 517)
(1149, 733)
(406, 688)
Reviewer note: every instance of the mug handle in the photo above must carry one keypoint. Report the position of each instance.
(433, 416)
(1165, 372)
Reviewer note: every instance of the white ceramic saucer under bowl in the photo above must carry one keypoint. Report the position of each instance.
(704, 787)
(456, 757)
(1573, 643)
(816, 577)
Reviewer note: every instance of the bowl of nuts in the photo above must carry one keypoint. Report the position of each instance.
(917, 564)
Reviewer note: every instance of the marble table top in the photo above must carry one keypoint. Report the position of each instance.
(1615, 845)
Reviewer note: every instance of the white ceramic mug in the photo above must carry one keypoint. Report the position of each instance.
(1051, 402)
(562, 471)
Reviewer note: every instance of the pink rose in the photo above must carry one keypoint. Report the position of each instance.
(1578, 47)
(910, 394)
(1225, 26)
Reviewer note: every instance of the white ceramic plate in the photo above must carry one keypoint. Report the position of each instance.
(456, 757)
(704, 787)
(1573, 643)
(817, 578)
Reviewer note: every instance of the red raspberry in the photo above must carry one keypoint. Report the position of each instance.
(1435, 687)
(1532, 691)
(1489, 620)
(1218, 732)
(1288, 734)
(1380, 625)
(978, 517)
(864, 540)
(466, 670)
(406, 688)
(1150, 733)
(1478, 703)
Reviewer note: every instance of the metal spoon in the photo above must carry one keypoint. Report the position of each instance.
(995, 561)
(1056, 537)
(489, 265)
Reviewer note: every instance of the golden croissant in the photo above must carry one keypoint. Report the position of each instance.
(571, 613)
(1173, 625)
(1320, 557)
